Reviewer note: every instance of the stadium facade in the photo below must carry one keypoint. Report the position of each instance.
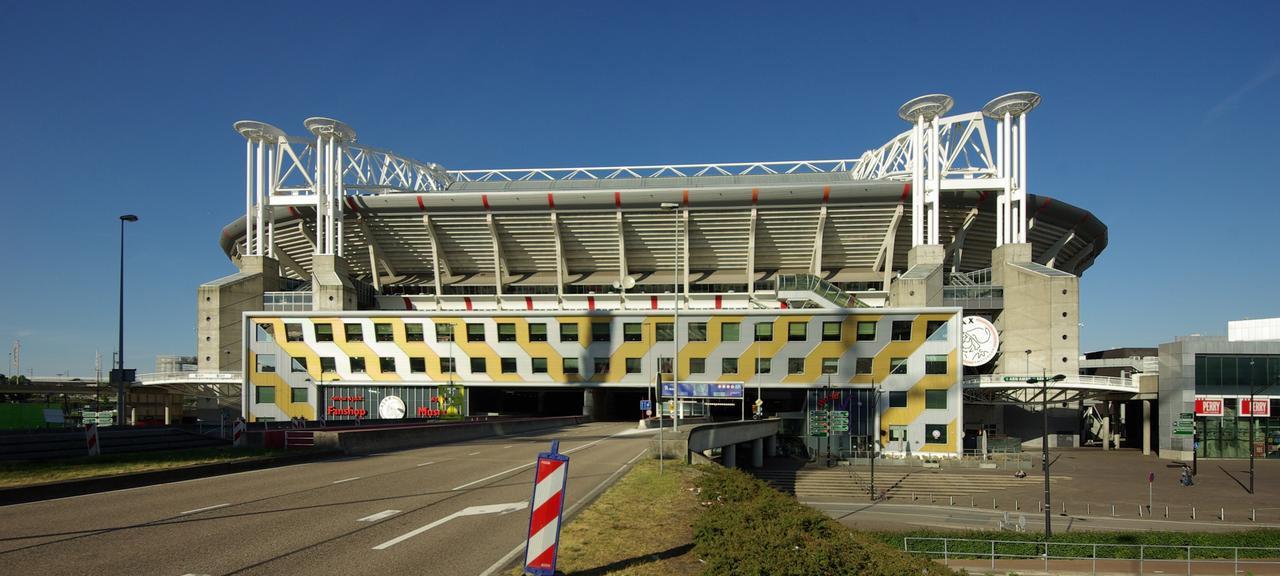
(923, 265)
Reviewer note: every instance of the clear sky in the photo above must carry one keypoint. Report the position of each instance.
(1159, 118)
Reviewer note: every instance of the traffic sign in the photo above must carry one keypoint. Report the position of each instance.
(644, 404)
(543, 544)
(1185, 425)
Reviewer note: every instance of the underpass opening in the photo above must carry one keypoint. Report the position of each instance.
(527, 402)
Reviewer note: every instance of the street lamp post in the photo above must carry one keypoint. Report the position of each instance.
(875, 435)
(675, 326)
(1044, 381)
(120, 344)
(1253, 389)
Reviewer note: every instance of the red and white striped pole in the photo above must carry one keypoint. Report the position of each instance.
(545, 512)
(91, 439)
(237, 433)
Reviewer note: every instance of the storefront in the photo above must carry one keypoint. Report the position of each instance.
(1222, 427)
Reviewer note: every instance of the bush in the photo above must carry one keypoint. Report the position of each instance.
(751, 529)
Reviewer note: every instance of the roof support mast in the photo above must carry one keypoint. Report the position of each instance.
(927, 164)
(1010, 113)
(329, 153)
(261, 141)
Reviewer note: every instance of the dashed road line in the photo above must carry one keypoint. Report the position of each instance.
(379, 516)
(206, 508)
(346, 479)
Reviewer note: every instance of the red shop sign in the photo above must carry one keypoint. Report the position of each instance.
(1208, 407)
(1261, 408)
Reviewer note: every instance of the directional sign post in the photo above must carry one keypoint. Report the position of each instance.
(545, 511)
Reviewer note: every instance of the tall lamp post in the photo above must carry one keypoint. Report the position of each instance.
(1044, 381)
(120, 384)
(674, 208)
(1253, 389)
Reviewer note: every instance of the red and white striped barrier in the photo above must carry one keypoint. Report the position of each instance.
(237, 433)
(545, 512)
(91, 439)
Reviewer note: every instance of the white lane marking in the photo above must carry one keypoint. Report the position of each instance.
(473, 454)
(631, 431)
(472, 511)
(379, 516)
(424, 464)
(346, 479)
(522, 466)
(215, 506)
(507, 446)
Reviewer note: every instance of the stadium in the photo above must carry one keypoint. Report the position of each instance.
(919, 285)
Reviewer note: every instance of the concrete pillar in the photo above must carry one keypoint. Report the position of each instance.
(588, 402)
(922, 290)
(1106, 425)
(1146, 427)
(219, 308)
(757, 453)
(331, 285)
(133, 416)
(983, 438)
(729, 456)
(166, 414)
(771, 445)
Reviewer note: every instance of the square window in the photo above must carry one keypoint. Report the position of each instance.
(418, 365)
(568, 332)
(729, 331)
(444, 332)
(664, 364)
(633, 365)
(293, 332)
(263, 333)
(354, 332)
(386, 365)
(297, 365)
(764, 332)
(729, 366)
(297, 395)
(264, 394)
(935, 399)
(538, 365)
(357, 365)
(599, 331)
(795, 365)
(831, 331)
(475, 332)
(935, 433)
(266, 362)
(383, 332)
(830, 365)
(797, 331)
(935, 330)
(570, 366)
(600, 367)
(506, 332)
(697, 331)
(697, 365)
(328, 364)
(866, 331)
(897, 433)
(632, 332)
(448, 365)
(898, 399)
(324, 332)
(478, 366)
(901, 330)
(764, 365)
(414, 333)
(897, 365)
(935, 364)
(664, 331)
(862, 366)
(508, 365)
(538, 332)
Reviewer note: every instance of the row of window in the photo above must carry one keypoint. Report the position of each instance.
(600, 331)
(934, 364)
(267, 395)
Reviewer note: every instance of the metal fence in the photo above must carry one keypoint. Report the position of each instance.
(1159, 557)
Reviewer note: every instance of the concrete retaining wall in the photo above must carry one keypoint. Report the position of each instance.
(378, 440)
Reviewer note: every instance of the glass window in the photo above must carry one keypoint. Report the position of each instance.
(297, 394)
(866, 331)
(797, 331)
(386, 365)
(328, 364)
(508, 365)
(475, 332)
(418, 365)
(665, 331)
(764, 332)
(293, 332)
(506, 332)
(297, 365)
(901, 330)
(264, 394)
(354, 332)
(729, 331)
(830, 365)
(897, 365)
(862, 365)
(729, 366)
(897, 433)
(568, 332)
(697, 331)
(935, 330)
(263, 333)
(538, 332)
(570, 365)
(599, 331)
(697, 365)
(664, 364)
(600, 367)
(357, 365)
(448, 365)
(935, 433)
(444, 332)
(831, 331)
(383, 332)
(898, 399)
(478, 366)
(935, 364)
(935, 399)
(266, 363)
(795, 365)
(538, 365)
(631, 332)
(633, 365)
(324, 332)
(764, 365)
(414, 333)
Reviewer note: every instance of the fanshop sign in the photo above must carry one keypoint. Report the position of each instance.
(1208, 407)
(345, 402)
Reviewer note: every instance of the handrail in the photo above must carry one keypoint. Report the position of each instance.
(972, 548)
(828, 291)
(1072, 381)
(219, 377)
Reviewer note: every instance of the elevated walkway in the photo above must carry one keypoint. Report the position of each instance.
(1014, 389)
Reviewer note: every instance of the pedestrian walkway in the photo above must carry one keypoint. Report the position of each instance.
(848, 483)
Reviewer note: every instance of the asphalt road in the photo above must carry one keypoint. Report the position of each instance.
(405, 512)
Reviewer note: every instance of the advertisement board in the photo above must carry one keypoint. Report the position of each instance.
(704, 390)
(1208, 407)
(1261, 408)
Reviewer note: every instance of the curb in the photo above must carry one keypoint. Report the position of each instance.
(63, 489)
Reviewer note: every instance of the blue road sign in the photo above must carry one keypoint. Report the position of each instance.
(704, 390)
(644, 404)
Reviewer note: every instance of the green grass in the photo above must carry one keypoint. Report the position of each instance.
(28, 473)
(1075, 543)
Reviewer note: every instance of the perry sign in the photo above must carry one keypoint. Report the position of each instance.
(545, 511)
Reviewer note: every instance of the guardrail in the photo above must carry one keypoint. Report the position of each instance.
(1162, 555)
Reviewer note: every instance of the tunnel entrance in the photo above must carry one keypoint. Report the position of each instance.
(602, 404)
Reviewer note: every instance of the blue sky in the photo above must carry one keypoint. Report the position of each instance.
(1160, 119)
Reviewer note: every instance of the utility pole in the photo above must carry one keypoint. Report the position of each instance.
(1044, 380)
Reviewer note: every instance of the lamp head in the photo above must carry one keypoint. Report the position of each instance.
(129, 218)
(1059, 377)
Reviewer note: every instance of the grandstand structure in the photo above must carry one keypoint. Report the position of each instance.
(940, 218)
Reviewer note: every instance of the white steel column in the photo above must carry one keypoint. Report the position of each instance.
(340, 152)
(935, 176)
(1022, 177)
(1006, 194)
(322, 200)
(1011, 145)
(917, 184)
(926, 179)
(271, 190)
(260, 188)
(248, 197)
(1000, 172)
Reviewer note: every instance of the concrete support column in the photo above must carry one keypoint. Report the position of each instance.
(1146, 427)
(757, 453)
(729, 456)
(166, 414)
(1106, 425)
(771, 445)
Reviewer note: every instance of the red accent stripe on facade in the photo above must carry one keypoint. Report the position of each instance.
(351, 203)
(421, 206)
(408, 304)
(685, 198)
(528, 303)
(784, 304)
(293, 212)
(653, 302)
(906, 190)
(467, 301)
(755, 196)
(484, 199)
(826, 194)
(982, 196)
(719, 301)
(617, 199)
(591, 302)
(551, 201)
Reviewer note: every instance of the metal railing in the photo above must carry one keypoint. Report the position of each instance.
(1160, 555)
(201, 377)
(1073, 381)
(981, 296)
(826, 290)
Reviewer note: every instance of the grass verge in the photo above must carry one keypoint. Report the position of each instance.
(29, 473)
